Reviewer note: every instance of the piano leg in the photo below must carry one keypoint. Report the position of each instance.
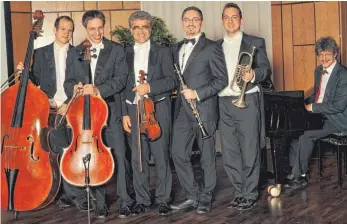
(274, 159)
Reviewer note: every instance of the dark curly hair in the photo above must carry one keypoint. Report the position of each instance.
(327, 43)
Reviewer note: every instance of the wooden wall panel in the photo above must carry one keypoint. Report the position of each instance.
(80, 33)
(288, 47)
(21, 26)
(20, 6)
(303, 21)
(343, 25)
(106, 5)
(120, 18)
(48, 32)
(304, 64)
(131, 4)
(89, 5)
(277, 47)
(276, 2)
(107, 29)
(56, 6)
(327, 20)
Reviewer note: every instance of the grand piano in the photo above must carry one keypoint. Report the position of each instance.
(286, 117)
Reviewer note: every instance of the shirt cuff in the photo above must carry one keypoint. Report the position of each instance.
(149, 88)
(197, 96)
(252, 81)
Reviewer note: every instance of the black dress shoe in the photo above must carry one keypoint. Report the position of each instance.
(84, 206)
(203, 207)
(101, 212)
(63, 203)
(246, 204)
(297, 183)
(235, 203)
(163, 209)
(188, 203)
(124, 211)
(139, 209)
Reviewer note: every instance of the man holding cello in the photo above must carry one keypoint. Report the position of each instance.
(152, 90)
(109, 74)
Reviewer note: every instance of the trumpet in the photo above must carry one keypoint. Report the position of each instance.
(192, 104)
(238, 75)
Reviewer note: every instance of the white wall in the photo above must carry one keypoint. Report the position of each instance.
(256, 15)
(3, 60)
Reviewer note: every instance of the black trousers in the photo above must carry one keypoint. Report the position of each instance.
(159, 149)
(240, 140)
(113, 138)
(301, 149)
(185, 132)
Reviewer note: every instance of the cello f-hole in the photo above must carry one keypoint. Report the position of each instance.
(31, 139)
(97, 144)
(3, 142)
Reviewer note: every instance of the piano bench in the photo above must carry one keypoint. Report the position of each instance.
(338, 141)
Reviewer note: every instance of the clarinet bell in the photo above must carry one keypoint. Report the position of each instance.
(204, 133)
(274, 190)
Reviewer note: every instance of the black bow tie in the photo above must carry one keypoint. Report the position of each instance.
(186, 41)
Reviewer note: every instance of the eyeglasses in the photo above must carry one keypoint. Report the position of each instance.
(141, 28)
(232, 18)
(194, 20)
(326, 55)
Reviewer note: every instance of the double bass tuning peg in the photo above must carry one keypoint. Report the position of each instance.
(94, 55)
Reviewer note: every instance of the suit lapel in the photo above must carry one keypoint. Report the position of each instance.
(152, 61)
(102, 59)
(49, 54)
(130, 59)
(330, 88)
(196, 50)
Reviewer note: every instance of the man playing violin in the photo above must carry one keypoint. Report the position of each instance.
(48, 72)
(157, 63)
(109, 74)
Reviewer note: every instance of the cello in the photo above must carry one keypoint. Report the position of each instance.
(87, 161)
(146, 122)
(30, 176)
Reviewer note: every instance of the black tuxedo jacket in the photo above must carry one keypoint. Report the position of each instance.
(262, 70)
(43, 72)
(334, 105)
(160, 75)
(204, 72)
(110, 78)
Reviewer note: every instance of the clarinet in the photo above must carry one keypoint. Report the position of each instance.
(192, 104)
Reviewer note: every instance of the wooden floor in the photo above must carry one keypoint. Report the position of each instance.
(321, 202)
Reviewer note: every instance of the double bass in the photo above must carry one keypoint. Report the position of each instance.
(146, 122)
(30, 176)
(87, 161)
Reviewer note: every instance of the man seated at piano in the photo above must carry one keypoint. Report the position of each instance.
(330, 100)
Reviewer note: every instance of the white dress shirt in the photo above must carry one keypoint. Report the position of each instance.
(324, 82)
(231, 48)
(60, 54)
(94, 61)
(185, 52)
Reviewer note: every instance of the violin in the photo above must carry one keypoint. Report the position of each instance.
(147, 123)
(30, 176)
(87, 161)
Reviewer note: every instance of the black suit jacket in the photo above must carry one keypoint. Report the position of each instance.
(204, 72)
(334, 102)
(43, 71)
(160, 75)
(262, 70)
(111, 74)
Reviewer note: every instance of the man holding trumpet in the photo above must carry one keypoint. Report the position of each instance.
(241, 132)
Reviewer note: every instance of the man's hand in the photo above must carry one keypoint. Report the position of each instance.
(142, 89)
(62, 109)
(309, 107)
(189, 94)
(89, 89)
(127, 123)
(78, 88)
(248, 76)
(20, 66)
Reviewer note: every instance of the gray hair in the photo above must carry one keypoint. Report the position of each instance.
(327, 43)
(141, 15)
